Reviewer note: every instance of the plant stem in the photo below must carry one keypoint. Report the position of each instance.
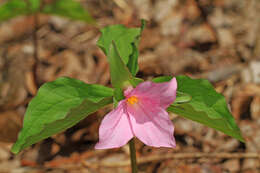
(133, 156)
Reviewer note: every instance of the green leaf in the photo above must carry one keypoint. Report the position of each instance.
(206, 106)
(182, 98)
(124, 39)
(162, 79)
(59, 105)
(120, 75)
(34, 5)
(68, 8)
(133, 59)
(132, 64)
(12, 8)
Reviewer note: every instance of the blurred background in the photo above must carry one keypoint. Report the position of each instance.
(214, 39)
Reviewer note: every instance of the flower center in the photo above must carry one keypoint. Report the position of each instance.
(132, 100)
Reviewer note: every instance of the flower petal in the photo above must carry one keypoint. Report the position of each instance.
(115, 129)
(164, 93)
(152, 125)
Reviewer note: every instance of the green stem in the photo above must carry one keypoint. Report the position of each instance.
(133, 156)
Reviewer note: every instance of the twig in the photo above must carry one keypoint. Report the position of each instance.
(175, 156)
(73, 159)
(222, 73)
(35, 53)
(35, 41)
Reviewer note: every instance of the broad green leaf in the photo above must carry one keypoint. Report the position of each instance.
(12, 8)
(206, 106)
(120, 75)
(221, 124)
(59, 105)
(124, 39)
(68, 8)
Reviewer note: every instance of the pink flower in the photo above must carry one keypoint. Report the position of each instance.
(141, 114)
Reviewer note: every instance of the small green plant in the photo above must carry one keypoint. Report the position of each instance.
(66, 8)
(140, 108)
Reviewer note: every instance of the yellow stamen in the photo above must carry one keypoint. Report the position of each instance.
(132, 100)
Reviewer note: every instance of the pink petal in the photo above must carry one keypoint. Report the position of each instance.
(115, 130)
(164, 93)
(151, 124)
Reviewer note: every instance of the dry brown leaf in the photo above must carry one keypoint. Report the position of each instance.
(10, 125)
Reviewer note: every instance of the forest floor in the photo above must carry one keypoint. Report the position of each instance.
(217, 40)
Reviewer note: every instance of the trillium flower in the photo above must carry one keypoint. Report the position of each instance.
(141, 114)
